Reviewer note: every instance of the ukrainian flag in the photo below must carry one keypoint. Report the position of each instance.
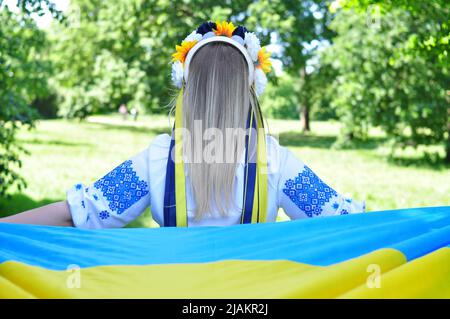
(388, 254)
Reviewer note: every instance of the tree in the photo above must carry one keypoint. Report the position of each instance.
(119, 52)
(23, 77)
(430, 41)
(300, 28)
(383, 80)
(280, 100)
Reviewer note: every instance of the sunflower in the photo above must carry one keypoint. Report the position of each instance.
(182, 50)
(224, 28)
(263, 60)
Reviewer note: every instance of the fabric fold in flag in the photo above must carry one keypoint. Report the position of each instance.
(387, 254)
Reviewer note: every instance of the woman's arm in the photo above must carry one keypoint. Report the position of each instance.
(112, 201)
(56, 214)
(301, 193)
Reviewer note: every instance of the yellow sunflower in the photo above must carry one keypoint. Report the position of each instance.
(182, 50)
(224, 28)
(263, 60)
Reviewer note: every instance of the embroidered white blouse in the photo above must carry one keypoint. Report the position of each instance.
(123, 194)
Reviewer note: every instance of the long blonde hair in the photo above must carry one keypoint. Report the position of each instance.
(218, 96)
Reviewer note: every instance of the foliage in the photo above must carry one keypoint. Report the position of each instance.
(23, 73)
(383, 80)
(280, 100)
(109, 53)
(432, 38)
(299, 28)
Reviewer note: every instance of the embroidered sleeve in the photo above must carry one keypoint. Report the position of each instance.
(303, 194)
(114, 200)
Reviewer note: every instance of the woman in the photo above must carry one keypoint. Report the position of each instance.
(208, 172)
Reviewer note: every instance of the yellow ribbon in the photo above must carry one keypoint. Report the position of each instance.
(262, 173)
(180, 178)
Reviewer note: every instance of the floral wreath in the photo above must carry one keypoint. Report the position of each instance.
(257, 57)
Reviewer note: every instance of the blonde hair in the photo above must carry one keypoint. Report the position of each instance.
(218, 96)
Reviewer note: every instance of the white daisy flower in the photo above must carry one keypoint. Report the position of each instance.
(260, 81)
(253, 45)
(238, 39)
(209, 35)
(194, 36)
(177, 74)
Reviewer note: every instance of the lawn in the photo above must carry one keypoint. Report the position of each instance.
(65, 152)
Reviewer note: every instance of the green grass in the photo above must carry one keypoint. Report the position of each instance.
(65, 152)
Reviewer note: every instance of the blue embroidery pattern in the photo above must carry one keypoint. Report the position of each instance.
(308, 192)
(103, 214)
(122, 187)
(344, 212)
(78, 186)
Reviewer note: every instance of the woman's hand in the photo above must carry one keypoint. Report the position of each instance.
(56, 214)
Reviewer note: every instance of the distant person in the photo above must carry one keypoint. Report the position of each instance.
(134, 113)
(220, 71)
(123, 111)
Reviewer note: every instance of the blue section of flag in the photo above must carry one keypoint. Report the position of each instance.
(317, 241)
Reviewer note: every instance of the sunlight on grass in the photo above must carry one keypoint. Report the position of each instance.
(66, 152)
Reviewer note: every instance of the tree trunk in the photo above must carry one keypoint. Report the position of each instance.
(304, 117)
(447, 151)
(304, 104)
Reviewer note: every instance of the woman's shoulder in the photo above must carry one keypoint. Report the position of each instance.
(161, 140)
(159, 147)
(276, 154)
